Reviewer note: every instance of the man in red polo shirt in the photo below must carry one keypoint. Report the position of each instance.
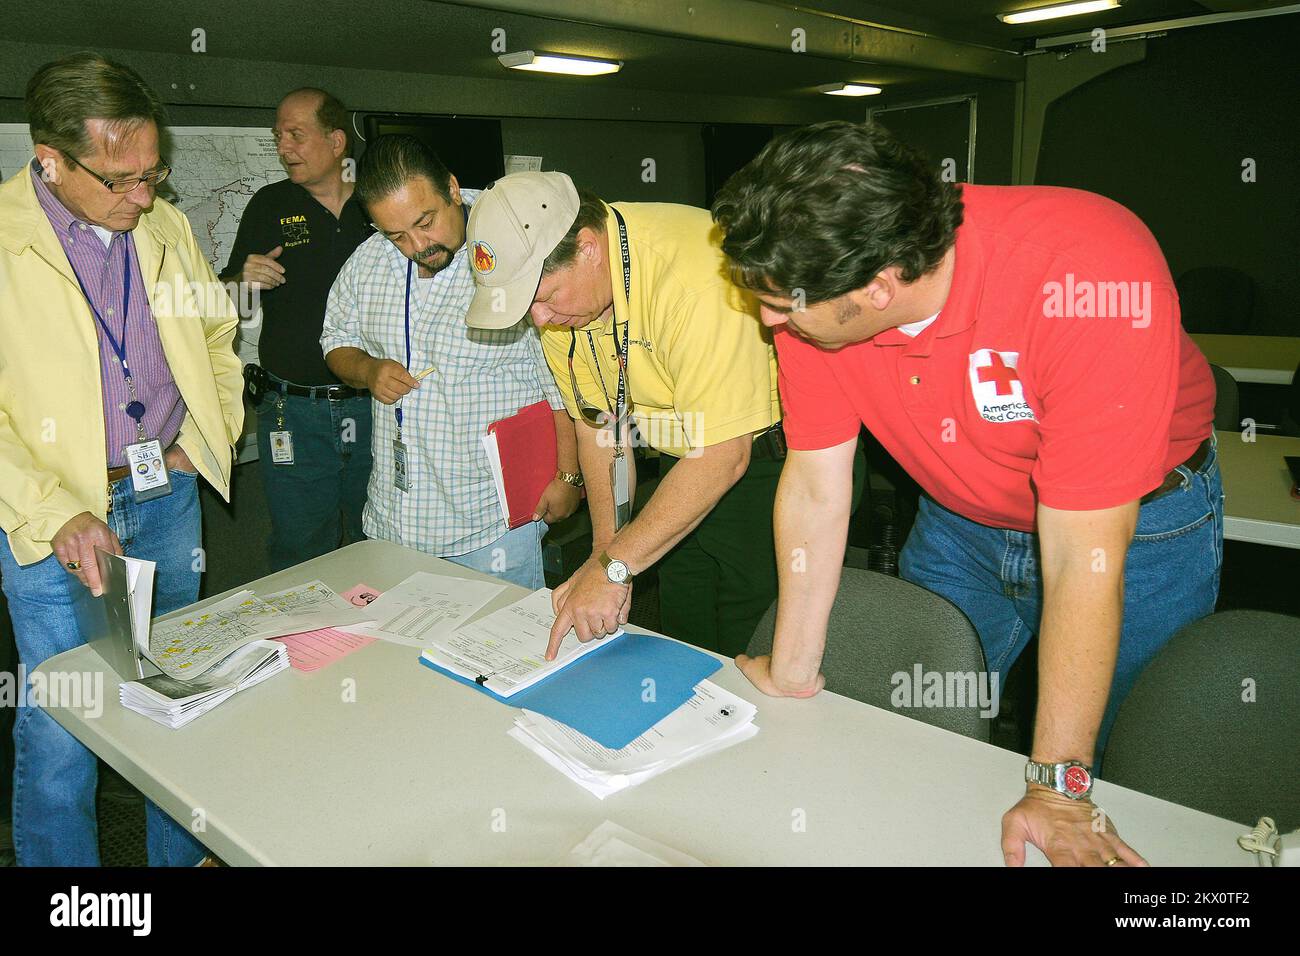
(1019, 351)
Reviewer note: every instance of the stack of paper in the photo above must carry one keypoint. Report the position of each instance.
(712, 720)
(424, 607)
(186, 646)
(175, 703)
(505, 651)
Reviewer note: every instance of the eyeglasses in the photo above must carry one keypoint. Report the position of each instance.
(126, 185)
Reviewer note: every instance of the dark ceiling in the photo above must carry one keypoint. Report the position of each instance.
(454, 38)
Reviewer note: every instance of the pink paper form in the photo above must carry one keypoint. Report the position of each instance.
(313, 650)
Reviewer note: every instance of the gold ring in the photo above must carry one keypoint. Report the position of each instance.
(73, 565)
(1112, 861)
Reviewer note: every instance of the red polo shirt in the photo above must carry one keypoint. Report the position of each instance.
(1057, 371)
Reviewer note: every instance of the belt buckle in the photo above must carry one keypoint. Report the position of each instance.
(332, 393)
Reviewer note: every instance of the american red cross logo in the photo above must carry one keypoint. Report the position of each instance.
(998, 372)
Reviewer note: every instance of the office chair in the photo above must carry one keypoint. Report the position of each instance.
(1213, 723)
(882, 626)
(1216, 299)
(1227, 402)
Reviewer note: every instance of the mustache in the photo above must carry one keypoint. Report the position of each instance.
(424, 255)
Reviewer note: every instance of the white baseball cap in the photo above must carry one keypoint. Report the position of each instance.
(513, 226)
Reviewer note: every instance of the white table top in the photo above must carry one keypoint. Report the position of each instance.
(419, 770)
(1257, 502)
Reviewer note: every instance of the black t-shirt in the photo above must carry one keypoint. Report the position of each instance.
(315, 247)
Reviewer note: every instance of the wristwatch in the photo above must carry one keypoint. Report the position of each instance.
(1072, 779)
(570, 478)
(615, 570)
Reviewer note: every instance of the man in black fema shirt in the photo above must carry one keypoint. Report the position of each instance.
(313, 432)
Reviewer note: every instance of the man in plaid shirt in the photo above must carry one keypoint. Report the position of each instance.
(397, 310)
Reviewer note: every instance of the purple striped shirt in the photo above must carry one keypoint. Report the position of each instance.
(101, 270)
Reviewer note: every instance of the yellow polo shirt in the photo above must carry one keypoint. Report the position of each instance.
(701, 368)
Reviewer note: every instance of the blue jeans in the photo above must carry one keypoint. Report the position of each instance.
(54, 774)
(322, 494)
(1171, 577)
(516, 556)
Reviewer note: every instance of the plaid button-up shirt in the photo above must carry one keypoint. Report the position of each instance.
(481, 376)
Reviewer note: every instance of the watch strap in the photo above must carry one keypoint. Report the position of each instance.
(606, 561)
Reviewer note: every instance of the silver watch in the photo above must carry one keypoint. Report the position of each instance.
(1072, 779)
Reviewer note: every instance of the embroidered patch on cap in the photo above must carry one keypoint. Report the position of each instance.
(482, 256)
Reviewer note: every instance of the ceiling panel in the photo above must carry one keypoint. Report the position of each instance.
(437, 38)
(976, 20)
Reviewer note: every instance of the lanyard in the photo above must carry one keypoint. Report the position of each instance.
(397, 409)
(620, 400)
(135, 408)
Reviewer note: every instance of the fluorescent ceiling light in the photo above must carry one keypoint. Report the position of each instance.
(1058, 10)
(550, 63)
(848, 89)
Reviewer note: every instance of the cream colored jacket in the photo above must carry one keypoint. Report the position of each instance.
(52, 459)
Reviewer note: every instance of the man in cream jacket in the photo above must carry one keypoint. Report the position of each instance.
(119, 388)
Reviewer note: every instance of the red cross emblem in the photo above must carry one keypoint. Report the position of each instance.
(999, 373)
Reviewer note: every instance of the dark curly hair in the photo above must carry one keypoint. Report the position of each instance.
(825, 208)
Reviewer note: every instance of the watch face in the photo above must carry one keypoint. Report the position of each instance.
(1077, 781)
(616, 572)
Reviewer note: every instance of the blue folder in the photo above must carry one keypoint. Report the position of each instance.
(616, 693)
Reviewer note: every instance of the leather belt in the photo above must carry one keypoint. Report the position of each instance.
(335, 393)
(117, 474)
(1174, 478)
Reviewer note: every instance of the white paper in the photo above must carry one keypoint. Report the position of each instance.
(311, 606)
(712, 714)
(519, 163)
(612, 845)
(508, 646)
(140, 574)
(186, 646)
(603, 785)
(493, 452)
(175, 703)
(712, 720)
(424, 607)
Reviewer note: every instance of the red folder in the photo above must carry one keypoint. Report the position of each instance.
(526, 444)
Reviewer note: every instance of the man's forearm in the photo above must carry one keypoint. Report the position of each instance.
(566, 442)
(595, 456)
(681, 501)
(811, 524)
(1077, 646)
(351, 365)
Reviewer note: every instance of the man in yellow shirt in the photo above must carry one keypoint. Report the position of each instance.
(119, 388)
(638, 318)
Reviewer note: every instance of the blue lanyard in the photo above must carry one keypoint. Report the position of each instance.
(119, 348)
(397, 409)
(135, 408)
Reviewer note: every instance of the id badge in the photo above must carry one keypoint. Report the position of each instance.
(282, 447)
(619, 484)
(149, 477)
(401, 479)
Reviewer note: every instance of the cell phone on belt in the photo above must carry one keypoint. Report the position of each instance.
(256, 384)
(1293, 462)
